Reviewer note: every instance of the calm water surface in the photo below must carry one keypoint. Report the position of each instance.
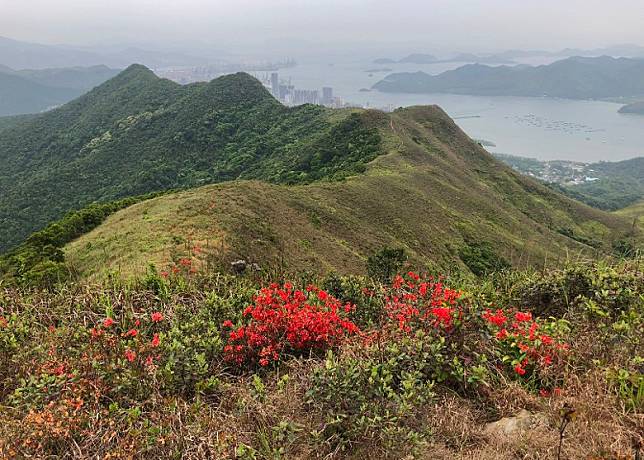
(533, 127)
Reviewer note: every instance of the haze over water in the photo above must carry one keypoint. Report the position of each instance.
(542, 128)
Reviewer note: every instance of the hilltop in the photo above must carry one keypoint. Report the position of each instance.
(137, 133)
(573, 78)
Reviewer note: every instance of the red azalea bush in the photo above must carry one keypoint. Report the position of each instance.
(285, 320)
(523, 342)
(417, 302)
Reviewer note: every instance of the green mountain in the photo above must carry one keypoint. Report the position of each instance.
(574, 78)
(137, 134)
(31, 91)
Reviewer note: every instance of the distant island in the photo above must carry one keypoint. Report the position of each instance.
(421, 58)
(509, 56)
(572, 78)
(636, 107)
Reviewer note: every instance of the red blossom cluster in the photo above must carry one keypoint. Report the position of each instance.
(133, 340)
(282, 320)
(416, 302)
(520, 334)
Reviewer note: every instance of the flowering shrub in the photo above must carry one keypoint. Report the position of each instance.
(419, 303)
(523, 342)
(284, 320)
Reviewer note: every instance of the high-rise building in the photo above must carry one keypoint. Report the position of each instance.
(275, 84)
(327, 95)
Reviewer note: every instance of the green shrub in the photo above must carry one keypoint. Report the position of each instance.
(385, 263)
(481, 259)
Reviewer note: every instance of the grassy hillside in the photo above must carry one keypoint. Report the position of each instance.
(635, 211)
(574, 78)
(436, 193)
(137, 134)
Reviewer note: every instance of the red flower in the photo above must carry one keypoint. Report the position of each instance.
(322, 295)
(108, 322)
(443, 315)
(523, 317)
(155, 340)
(544, 393)
(519, 370)
(130, 355)
(132, 333)
(164, 274)
(156, 317)
(502, 334)
(228, 323)
(498, 318)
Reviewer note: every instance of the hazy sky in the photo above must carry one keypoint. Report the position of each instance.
(432, 25)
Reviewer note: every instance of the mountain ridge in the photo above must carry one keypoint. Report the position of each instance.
(573, 78)
(434, 193)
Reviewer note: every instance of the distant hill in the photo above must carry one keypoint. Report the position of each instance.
(24, 55)
(138, 133)
(80, 78)
(31, 91)
(20, 95)
(419, 58)
(636, 107)
(603, 185)
(574, 78)
(619, 184)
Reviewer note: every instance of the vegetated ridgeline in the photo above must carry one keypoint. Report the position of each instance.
(435, 193)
